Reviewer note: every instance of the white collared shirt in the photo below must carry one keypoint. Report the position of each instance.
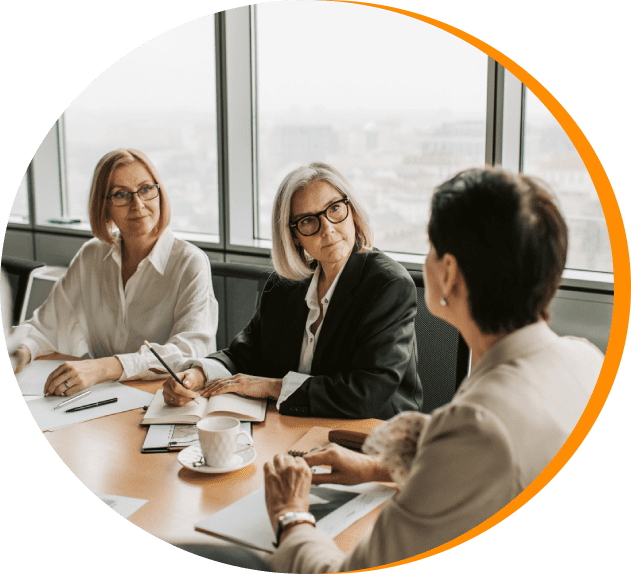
(168, 301)
(292, 380)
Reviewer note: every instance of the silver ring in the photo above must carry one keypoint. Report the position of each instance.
(171, 401)
(67, 385)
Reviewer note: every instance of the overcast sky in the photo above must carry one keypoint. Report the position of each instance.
(347, 56)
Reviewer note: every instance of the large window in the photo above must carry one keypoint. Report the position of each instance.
(396, 105)
(550, 155)
(160, 99)
(19, 210)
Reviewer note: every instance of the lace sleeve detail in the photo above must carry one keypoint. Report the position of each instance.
(394, 444)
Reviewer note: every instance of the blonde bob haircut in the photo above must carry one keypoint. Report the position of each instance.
(290, 260)
(102, 226)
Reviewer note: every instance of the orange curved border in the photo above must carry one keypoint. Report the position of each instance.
(622, 279)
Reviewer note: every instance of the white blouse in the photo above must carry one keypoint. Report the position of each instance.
(168, 301)
(292, 380)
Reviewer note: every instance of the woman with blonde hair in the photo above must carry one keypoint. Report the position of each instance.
(134, 281)
(333, 335)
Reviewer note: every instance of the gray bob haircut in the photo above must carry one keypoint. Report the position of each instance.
(290, 260)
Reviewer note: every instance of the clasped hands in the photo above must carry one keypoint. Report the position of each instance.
(194, 380)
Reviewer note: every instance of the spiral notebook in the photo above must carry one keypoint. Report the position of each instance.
(169, 438)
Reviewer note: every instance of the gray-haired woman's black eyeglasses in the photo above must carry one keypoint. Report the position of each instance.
(146, 193)
(310, 224)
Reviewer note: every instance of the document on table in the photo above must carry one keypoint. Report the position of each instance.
(33, 376)
(335, 508)
(49, 419)
(124, 505)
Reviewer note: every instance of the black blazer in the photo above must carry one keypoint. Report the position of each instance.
(364, 365)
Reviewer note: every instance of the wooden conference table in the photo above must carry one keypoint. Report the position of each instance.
(105, 455)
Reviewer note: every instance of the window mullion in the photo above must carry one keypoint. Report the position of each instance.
(240, 141)
(512, 123)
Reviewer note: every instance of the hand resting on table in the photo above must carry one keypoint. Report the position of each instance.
(74, 376)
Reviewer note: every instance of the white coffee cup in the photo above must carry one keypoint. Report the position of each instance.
(218, 440)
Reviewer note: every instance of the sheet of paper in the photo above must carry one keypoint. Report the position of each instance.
(32, 377)
(49, 419)
(335, 508)
(124, 505)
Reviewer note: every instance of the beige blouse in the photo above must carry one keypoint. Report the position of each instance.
(473, 456)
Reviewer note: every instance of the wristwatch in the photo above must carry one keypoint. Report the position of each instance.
(284, 520)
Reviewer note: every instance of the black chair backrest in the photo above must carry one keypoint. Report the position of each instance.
(18, 272)
(238, 288)
(443, 356)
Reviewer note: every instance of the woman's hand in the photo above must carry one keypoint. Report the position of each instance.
(287, 484)
(23, 356)
(74, 376)
(177, 395)
(259, 387)
(347, 466)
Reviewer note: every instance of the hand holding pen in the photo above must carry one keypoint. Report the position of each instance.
(175, 377)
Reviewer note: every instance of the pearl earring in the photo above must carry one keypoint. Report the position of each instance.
(443, 301)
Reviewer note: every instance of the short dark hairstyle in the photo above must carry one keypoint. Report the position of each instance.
(510, 241)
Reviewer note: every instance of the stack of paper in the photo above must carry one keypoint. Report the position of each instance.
(335, 508)
(124, 505)
(49, 419)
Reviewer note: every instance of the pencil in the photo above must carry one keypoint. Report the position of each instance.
(166, 367)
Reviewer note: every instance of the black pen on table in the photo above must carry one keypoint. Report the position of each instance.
(92, 405)
(167, 367)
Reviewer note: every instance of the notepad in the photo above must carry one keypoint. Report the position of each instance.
(32, 378)
(231, 405)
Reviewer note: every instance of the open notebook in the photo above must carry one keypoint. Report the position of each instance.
(242, 408)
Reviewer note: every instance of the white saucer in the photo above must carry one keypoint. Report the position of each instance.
(193, 453)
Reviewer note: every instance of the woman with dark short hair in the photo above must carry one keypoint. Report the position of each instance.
(134, 281)
(333, 335)
(498, 245)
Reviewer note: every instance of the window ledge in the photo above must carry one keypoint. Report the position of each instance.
(588, 280)
(573, 279)
(19, 220)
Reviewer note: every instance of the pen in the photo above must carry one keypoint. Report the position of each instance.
(71, 400)
(166, 367)
(107, 402)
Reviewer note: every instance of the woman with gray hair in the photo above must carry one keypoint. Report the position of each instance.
(333, 335)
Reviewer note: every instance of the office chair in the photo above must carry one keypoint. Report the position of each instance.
(443, 356)
(238, 289)
(18, 271)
